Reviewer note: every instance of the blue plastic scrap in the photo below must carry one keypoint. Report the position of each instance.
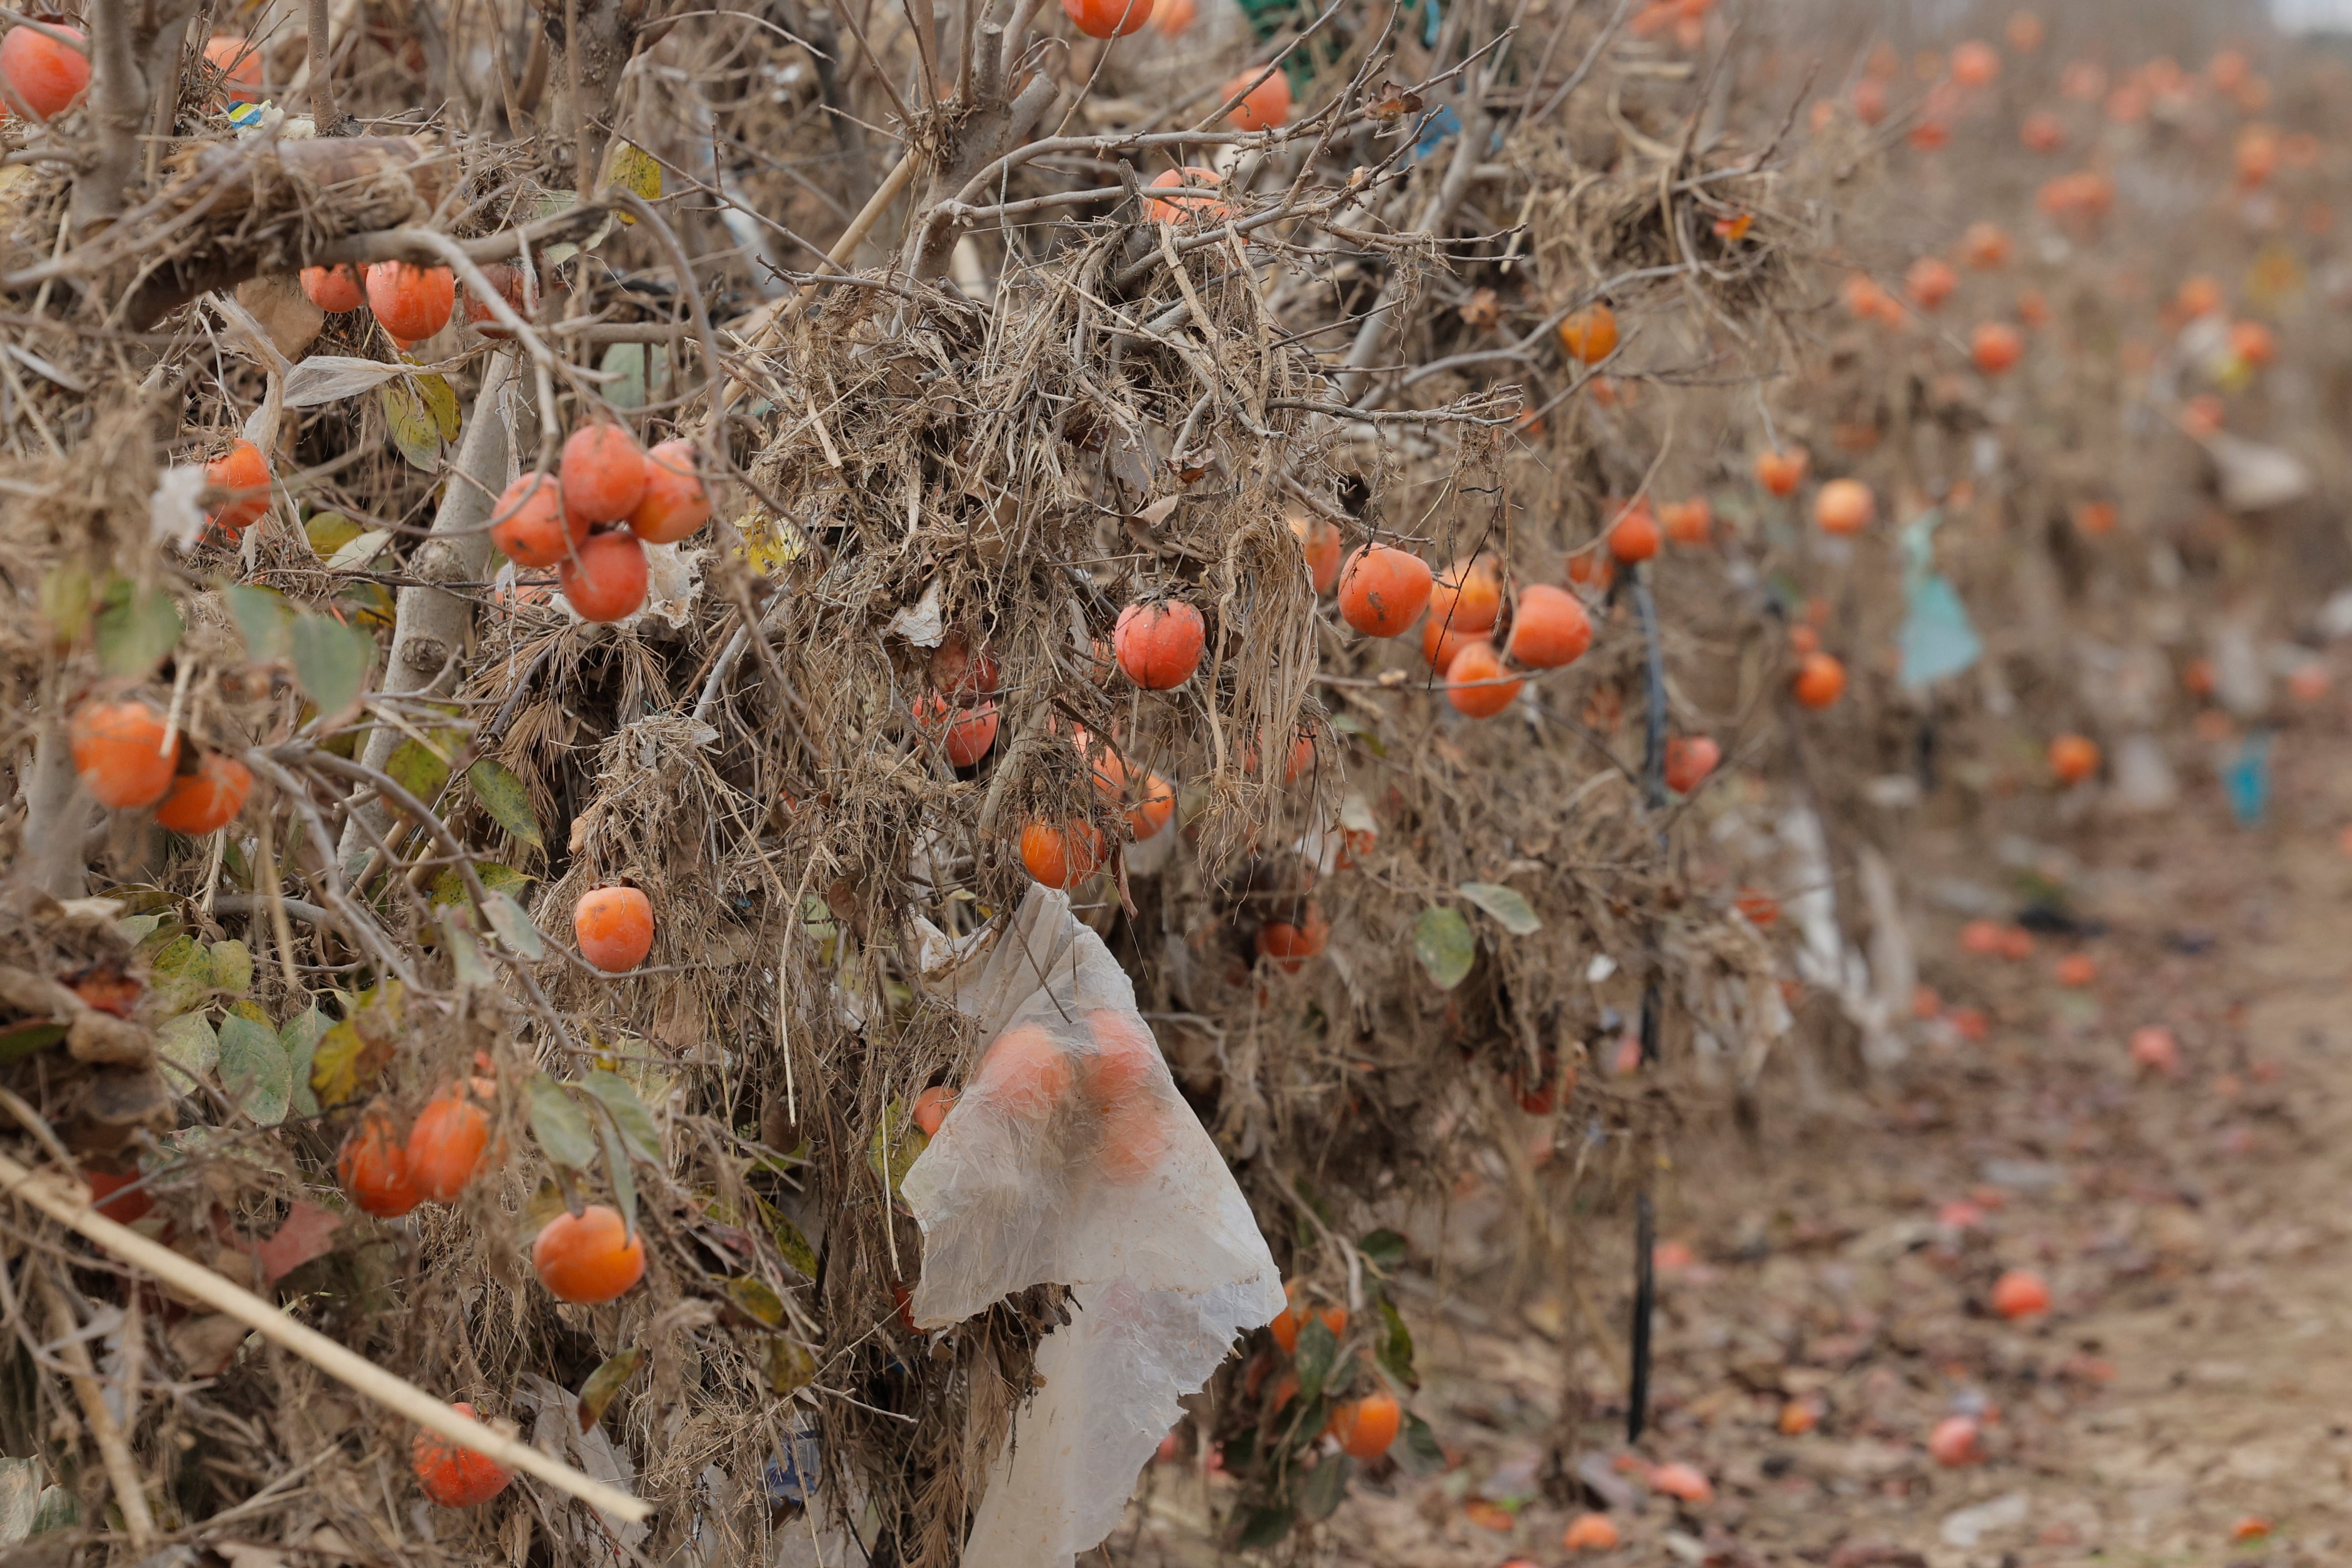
(795, 1471)
(1938, 638)
(2247, 778)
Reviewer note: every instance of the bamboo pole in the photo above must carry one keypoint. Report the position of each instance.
(69, 1203)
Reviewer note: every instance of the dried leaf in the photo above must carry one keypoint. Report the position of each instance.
(789, 1365)
(606, 1382)
(330, 378)
(756, 1299)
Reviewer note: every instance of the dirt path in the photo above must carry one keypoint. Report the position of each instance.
(2194, 1376)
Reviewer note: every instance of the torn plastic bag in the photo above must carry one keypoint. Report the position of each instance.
(1070, 1159)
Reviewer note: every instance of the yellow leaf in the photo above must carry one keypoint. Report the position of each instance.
(632, 168)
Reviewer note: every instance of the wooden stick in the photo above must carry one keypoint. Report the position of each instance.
(121, 1471)
(69, 1202)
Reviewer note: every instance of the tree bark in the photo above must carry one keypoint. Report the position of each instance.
(431, 626)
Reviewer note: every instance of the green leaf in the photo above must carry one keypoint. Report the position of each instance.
(136, 627)
(298, 1036)
(418, 769)
(1264, 1527)
(606, 1382)
(1396, 1346)
(1420, 1454)
(264, 619)
(560, 1125)
(467, 966)
(1318, 1351)
(624, 1181)
(790, 1243)
(1441, 941)
(329, 531)
(343, 1064)
(626, 363)
(411, 425)
(57, 1509)
(1507, 905)
(1386, 1249)
(330, 660)
(66, 598)
(441, 402)
(188, 1045)
(254, 1071)
(1320, 1492)
(513, 926)
(231, 964)
(18, 1041)
(789, 1365)
(359, 550)
(757, 1300)
(891, 1152)
(449, 886)
(507, 801)
(629, 1115)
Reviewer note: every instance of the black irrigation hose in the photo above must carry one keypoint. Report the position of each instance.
(1645, 1218)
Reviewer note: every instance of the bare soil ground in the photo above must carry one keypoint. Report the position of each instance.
(2193, 1377)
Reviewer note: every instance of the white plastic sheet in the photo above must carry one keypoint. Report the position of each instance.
(1071, 1159)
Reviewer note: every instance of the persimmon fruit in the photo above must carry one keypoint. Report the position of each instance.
(604, 578)
(2155, 1049)
(1930, 282)
(1953, 1442)
(675, 502)
(1468, 596)
(1107, 18)
(1634, 536)
(931, 1108)
(238, 59)
(1061, 857)
(603, 473)
(1158, 645)
(374, 1166)
(1995, 347)
(1318, 541)
(1476, 683)
(1366, 1426)
(1549, 627)
(1683, 1482)
(964, 734)
(334, 290)
(2073, 758)
(1289, 944)
(455, 1476)
(46, 75)
(411, 302)
(589, 1260)
(1264, 106)
(1821, 680)
(1190, 206)
(1026, 1073)
(207, 799)
(1689, 759)
(614, 928)
(1440, 643)
(1589, 335)
(1589, 1532)
(448, 1140)
(1689, 523)
(1383, 589)
(121, 753)
(1976, 64)
(2021, 1294)
(1782, 472)
(1844, 506)
(531, 528)
(243, 472)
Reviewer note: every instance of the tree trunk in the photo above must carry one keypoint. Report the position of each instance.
(431, 626)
